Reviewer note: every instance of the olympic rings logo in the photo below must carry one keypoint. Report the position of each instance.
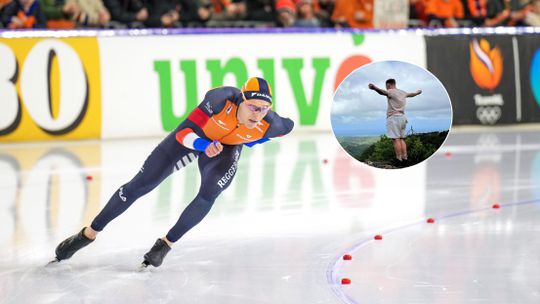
(488, 115)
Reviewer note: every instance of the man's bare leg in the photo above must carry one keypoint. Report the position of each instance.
(397, 148)
(403, 149)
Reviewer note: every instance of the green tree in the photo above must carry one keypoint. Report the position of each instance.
(419, 147)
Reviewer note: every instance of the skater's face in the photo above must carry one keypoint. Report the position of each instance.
(251, 112)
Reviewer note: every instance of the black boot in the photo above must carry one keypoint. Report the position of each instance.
(156, 255)
(71, 245)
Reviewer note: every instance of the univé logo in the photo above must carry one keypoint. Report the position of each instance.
(486, 68)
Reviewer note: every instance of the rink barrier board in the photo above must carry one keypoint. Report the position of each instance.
(491, 79)
(37, 76)
(143, 82)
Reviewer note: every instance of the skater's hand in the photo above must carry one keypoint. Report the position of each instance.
(213, 149)
(371, 86)
(418, 92)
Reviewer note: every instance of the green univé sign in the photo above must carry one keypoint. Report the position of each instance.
(219, 69)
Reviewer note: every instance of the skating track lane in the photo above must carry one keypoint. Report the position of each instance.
(273, 234)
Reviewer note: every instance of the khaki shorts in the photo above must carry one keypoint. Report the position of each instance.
(395, 126)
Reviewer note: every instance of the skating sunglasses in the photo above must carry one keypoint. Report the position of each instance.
(254, 108)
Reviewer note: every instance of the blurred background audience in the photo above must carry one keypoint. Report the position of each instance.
(22, 14)
(362, 14)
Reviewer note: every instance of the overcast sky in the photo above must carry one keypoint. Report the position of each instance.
(357, 110)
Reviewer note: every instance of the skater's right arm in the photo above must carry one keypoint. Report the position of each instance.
(213, 102)
(373, 87)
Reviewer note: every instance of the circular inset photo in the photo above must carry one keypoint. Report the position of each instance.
(391, 114)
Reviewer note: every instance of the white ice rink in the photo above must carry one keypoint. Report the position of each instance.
(278, 233)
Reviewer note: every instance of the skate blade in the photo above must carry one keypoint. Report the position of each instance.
(55, 266)
(144, 266)
(55, 261)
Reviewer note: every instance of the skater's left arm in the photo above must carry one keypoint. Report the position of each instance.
(279, 126)
(414, 94)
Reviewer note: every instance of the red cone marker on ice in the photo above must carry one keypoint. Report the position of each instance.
(496, 206)
(378, 237)
(345, 281)
(430, 220)
(448, 155)
(89, 177)
(347, 257)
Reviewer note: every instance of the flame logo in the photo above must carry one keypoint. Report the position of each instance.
(486, 64)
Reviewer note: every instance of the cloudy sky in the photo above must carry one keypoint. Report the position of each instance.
(357, 110)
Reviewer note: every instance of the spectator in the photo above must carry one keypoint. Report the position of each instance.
(519, 11)
(3, 3)
(506, 12)
(195, 12)
(353, 13)
(476, 11)
(220, 7)
(127, 12)
(286, 13)
(324, 13)
(227, 10)
(261, 10)
(60, 14)
(92, 13)
(306, 14)
(204, 10)
(497, 14)
(532, 17)
(23, 14)
(445, 12)
(417, 13)
(163, 13)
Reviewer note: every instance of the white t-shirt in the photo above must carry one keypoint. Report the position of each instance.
(396, 102)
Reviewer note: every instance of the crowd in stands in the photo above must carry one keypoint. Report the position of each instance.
(68, 14)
